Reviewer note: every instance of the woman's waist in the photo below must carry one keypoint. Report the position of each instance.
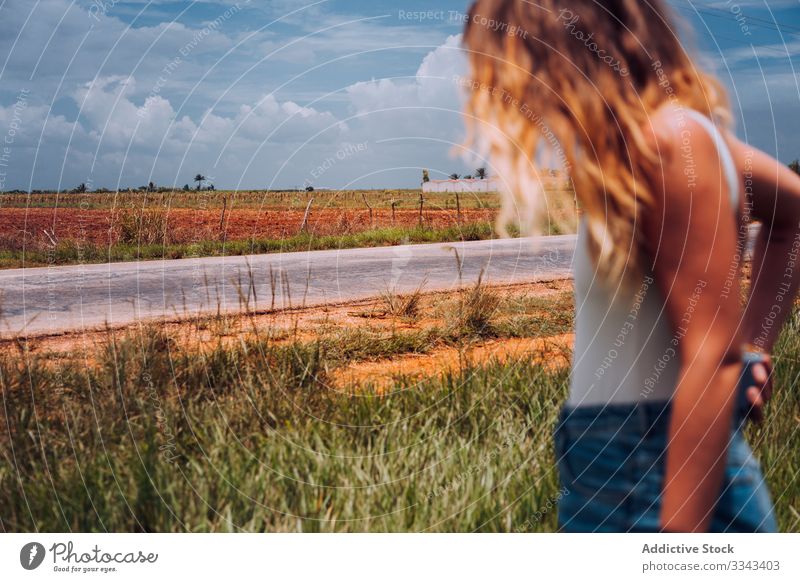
(628, 379)
(621, 361)
(633, 419)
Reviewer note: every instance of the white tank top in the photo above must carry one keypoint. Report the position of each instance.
(625, 350)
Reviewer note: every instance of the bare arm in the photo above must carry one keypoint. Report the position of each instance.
(692, 230)
(774, 191)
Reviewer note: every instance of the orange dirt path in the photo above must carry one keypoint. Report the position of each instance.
(382, 373)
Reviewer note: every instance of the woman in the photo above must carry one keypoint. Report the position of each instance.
(650, 438)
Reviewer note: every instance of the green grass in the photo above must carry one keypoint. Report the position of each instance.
(548, 316)
(69, 253)
(777, 440)
(151, 436)
(155, 439)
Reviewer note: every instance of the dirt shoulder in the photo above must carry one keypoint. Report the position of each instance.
(371, 341)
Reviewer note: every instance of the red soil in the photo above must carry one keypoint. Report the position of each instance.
(36, 226)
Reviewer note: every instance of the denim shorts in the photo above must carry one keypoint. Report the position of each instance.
(611, 464)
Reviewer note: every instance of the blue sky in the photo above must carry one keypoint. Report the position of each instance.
(284, 93)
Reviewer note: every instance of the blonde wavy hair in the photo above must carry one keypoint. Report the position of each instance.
(580, 80)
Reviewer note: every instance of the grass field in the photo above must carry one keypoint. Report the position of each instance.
(248, 199)
(247, 431)
(69, 228)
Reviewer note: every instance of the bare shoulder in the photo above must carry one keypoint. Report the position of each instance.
(687, 155)
(666, 125)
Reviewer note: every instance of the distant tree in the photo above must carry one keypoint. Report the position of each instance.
(81, 188)
(199, 178)
(151, 187)
(468, 177)
(309, 188)
(425, 176)
(211, 187)
(455, 176)
(481, 173)
(795, 166)
(186, 187)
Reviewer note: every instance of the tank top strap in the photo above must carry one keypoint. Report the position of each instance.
(725, 156)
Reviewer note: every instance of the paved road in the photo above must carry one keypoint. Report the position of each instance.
(55, 299)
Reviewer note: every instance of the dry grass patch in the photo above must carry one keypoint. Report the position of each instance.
(380, 375)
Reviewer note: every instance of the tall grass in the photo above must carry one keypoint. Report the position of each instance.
(475, 311)
(404, 306)
(143, 227)
(777, 440)
(152, 436)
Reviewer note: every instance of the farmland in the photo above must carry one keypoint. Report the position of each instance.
(91, 227)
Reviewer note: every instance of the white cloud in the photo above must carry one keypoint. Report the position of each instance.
(130, 133)
(760, 53)
(432, 86)
(247, 120)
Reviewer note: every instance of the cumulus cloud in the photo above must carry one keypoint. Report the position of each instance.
(422, 115)
(431, 87)
(129, 122)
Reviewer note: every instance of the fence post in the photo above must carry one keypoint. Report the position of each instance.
(304, 225)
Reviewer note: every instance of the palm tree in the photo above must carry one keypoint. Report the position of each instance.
(481, 173)
(199, 178)
(455, 176)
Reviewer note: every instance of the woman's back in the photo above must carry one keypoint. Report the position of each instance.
(626, 350)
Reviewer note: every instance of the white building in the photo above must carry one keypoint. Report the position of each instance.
(475, 185)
